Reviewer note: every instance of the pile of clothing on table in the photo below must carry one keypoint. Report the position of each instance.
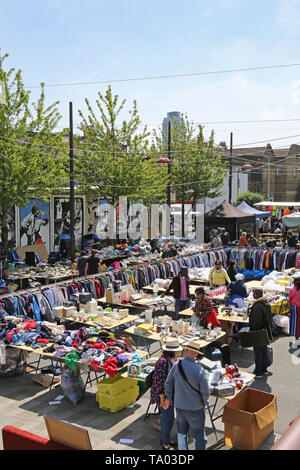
(88, 345)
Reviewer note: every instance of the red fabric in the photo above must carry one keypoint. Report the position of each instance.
(110, 366)
(95, 365)
(10, 334)
(30, 325)
(97, 288)
(42, 340)
(100, 345)
(17, 439)
(212, 318)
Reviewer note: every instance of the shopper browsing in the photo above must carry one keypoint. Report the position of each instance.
(218, 276)
(237, 292)
(180, 286)
(216, 241)
(231, 271)
(260, 318)
(187, 389)
(170, 251)
(162, 368)
(204, 312)
(81, 263)
(294, 300)
(243, 239)
(93, 264)
(252, 241)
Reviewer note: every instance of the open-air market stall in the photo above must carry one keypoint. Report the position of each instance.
(46, 323)
(244, 207)
(230, 217)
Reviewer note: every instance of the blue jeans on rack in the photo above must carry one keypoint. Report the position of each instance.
(180, 305)
(195, 421)
(166, 424)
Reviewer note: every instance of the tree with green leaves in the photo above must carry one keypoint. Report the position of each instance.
(114, 157)
(250, 198)
(197, 168)
(32, 157)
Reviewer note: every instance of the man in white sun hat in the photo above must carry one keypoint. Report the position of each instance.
(187, 389)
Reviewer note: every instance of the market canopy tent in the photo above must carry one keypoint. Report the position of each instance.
(243, 206)
(278, 204)
(228, 216)
(291, 220)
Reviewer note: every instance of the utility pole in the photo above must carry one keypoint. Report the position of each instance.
(269, 181)
(72, 200)
(169, 165)
(230, 170)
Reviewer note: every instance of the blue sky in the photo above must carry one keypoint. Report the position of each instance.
(73, 41)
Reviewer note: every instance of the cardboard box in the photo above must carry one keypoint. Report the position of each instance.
(124, 312)
(249, 419)
(108, 295)
(46, 379)
(128, 340)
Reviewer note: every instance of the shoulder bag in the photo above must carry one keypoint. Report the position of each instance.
(180, 367)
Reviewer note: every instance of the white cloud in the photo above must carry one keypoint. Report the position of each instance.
(296, 92)
(269, 114)
(241, 82)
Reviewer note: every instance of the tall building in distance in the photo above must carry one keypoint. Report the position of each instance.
(173, 116)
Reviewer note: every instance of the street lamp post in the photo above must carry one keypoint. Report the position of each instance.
(167, 161)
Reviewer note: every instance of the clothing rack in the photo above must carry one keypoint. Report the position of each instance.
(91, 276)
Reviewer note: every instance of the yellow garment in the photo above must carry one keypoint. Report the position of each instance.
(131, 280)
(218, 277)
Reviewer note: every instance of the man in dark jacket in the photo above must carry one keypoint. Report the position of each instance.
(169, 251)
(181, 291)
(260, 318)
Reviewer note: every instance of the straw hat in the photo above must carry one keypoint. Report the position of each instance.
(172, 345)
(193, 346)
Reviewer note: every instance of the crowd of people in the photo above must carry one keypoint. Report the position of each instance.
(179, 382)
(180, 386)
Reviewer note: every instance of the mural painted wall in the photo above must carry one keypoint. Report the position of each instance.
(61, 210)
(35, 223)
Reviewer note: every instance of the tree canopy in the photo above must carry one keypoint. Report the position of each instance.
(32, 162)
(114, 156)
(250, 198)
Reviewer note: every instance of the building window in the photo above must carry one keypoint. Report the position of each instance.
(294, 172)
(278, 171)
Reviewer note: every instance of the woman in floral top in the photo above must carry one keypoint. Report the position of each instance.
(204, 310)
(162, 369)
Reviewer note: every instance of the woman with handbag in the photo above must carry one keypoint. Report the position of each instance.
(204, 312)
(260, 318)
(162, 368)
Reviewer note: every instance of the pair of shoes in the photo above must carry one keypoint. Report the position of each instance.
(169, 447)
(172, 443)
(258, 376)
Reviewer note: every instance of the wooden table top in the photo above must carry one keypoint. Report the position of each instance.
(108, 325)
(131, 305)
(221, 316)
(153, 336)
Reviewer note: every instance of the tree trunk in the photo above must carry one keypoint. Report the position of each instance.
(182, 219)
(4, 238)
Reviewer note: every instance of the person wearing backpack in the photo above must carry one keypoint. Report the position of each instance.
(187, 389)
